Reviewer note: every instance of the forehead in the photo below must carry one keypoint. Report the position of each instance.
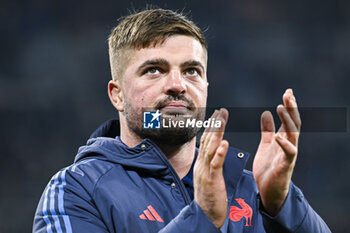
(176, 49)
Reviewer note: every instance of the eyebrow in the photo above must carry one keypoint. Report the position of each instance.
(192, 63)
(153, 62)
(163, 62)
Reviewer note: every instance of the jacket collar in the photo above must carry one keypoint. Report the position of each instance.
(106, 143)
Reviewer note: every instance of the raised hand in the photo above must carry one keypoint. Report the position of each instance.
(277, 153)
(209, 184)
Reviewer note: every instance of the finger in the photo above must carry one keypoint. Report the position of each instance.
(222, 116)
(218, 160)
(289, 149)
(288, 124)
(267, 127)
(217, 135)
(206, 131)
(292, 107)
(203, 147)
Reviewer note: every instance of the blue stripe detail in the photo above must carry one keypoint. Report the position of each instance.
(52, 204)
(61, 203)
(55, 199)
(46, 216)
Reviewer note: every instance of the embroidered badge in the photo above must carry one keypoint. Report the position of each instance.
(236, 213)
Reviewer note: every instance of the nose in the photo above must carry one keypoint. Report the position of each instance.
(175, 84)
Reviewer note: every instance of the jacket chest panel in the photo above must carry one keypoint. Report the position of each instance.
(243, 213)
(138, 203)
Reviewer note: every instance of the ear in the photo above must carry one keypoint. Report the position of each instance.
(115, 94)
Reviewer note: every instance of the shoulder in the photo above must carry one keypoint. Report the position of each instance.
(82, 174)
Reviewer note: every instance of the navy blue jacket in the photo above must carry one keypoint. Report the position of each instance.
(116, 189)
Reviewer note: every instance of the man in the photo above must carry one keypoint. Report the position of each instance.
(156, 180)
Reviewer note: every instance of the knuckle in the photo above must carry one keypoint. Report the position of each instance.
(214, 165)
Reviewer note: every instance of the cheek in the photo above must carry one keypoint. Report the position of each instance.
(200, 95)
(140, 98)
(133, 93)
(145, 99)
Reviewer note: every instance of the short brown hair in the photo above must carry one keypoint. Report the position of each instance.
(145, 29)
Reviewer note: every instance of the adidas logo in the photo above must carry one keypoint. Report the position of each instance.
(151, 214)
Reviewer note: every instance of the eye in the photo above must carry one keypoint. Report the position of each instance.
(152, 70)
(192, 72)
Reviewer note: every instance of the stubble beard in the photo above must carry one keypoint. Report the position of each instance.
(172, 136)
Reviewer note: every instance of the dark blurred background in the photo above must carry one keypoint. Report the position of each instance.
(54, 72)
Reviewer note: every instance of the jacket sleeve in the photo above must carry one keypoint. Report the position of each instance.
(66, 207)
(296, 216)
(191, 219)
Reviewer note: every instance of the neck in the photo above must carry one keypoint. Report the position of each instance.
(180, 156)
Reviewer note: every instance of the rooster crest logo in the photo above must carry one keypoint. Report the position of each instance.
(236, 213)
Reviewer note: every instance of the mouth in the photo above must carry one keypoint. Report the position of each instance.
(176, 104)
(179, 107)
